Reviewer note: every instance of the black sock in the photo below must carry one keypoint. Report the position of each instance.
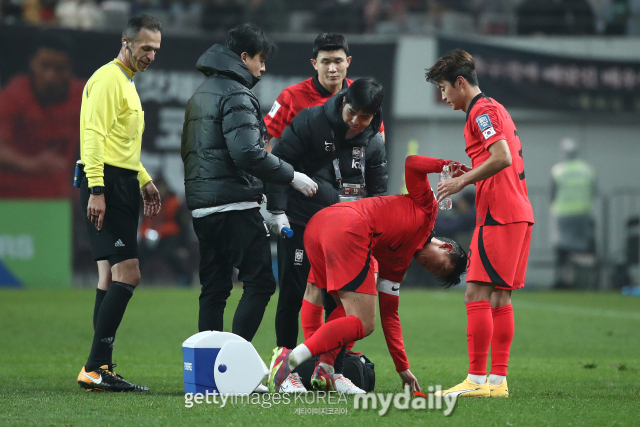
(109, 317)
(338, 365)
(100, 294)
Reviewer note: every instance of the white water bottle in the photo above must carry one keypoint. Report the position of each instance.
(446, 203)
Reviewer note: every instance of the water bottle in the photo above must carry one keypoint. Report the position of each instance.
(286, 232)
(446, 203)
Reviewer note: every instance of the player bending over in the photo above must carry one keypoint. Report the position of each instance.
(340, 241)
(500, 244)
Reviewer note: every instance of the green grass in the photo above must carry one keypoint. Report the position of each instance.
(575, 362)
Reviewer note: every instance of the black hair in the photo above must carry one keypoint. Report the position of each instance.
(330, 42)
(51, 39)
(451, 65)
(459, 259)
(137, 23)
(365, 95)
(251, 39)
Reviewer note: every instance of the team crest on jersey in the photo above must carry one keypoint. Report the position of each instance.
(274, 109)
(356, 151)
(298, 257)
(485, 125)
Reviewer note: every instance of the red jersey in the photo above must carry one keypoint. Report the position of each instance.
(33, 129)
(501, 198)
(402, 223)
(307, 93)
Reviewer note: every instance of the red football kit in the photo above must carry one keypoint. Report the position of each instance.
(33, 129)
(500, 245)
(341, 239)
(307, 93)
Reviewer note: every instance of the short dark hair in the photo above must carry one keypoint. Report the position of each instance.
(251, 39)
(330, 42)
(365, 95)
(459, 259)
(448, 67)
(51, 39)
(137, 23)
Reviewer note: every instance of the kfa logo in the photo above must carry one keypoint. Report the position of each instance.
(298, 257)
(188, 366)
(355, 161)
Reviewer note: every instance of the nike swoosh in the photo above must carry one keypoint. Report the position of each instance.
(394, 289)
(93, 380)
(376, 234)
(392, 249)
(459, 392)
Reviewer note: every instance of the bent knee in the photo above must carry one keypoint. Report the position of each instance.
(369, 326)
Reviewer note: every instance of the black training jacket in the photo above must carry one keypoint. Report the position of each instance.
(222, 149)
(310, 143)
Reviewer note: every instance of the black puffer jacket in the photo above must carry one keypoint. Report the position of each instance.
(222, 149)
(308, 144)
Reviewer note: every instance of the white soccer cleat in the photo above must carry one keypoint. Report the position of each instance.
(261, 389)
(292, 384)
(344, 385)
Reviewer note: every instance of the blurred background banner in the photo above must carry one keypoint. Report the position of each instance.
(523, 79)
(35, 243)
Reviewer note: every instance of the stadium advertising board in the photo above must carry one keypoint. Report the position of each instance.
(525, 79)
(35, 243)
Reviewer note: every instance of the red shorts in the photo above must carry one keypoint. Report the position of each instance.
(499, 253)
(338, 243)
(374, 265)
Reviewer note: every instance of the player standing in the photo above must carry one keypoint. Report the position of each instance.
(500, 244)
(111, 126)
(341, 240)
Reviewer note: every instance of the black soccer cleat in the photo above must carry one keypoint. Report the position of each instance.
(103, 379)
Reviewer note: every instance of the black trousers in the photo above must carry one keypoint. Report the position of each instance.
(293, 271)
(234, 239)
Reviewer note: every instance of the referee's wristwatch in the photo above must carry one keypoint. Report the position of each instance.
(96, 190)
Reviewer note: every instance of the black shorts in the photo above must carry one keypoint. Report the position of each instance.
(118, 239)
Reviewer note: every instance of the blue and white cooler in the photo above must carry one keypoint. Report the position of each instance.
(222, 362)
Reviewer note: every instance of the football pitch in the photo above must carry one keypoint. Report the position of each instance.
(575, 361)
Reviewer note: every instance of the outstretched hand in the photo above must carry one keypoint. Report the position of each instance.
(151, 198)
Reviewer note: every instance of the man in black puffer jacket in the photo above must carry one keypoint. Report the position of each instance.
(339, 145)
(224, 163)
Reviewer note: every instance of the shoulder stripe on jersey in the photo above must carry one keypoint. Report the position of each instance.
(474, 100)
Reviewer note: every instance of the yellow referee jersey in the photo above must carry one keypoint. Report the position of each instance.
(111, 123)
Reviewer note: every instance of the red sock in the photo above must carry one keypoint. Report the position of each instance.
(335, 334)
(503, 330)
(330, 357)
(479, 332)
(310, 318)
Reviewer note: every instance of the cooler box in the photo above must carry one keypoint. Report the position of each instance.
(222, 362)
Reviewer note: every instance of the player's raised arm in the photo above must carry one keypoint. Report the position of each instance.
(416, 169)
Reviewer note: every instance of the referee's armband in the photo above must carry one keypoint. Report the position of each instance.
(389, 287)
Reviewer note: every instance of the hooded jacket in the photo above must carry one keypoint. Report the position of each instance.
(315, 137)
(222, 148)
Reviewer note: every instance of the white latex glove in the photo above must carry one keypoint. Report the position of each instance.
(278, 220)
(304, 184)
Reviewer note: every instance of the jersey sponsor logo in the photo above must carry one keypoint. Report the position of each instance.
(488, 133)
(297, 260)
(274, 109)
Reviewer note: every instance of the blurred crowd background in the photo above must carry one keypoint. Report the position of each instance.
(583, 91)
(418, 17)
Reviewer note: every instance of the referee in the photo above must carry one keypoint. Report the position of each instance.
(111, 126)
